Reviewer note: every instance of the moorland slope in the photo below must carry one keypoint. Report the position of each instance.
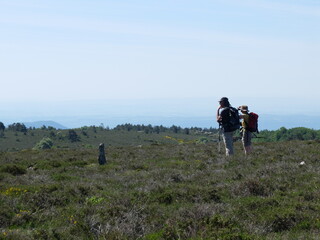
(162, 191)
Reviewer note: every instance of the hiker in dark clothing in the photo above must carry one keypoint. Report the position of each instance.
(228, 120)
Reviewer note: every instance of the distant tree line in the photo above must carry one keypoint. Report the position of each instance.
(18, 127)
(160, 129)
(284, 134)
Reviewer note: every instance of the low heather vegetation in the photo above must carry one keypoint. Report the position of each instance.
(17, 137)
(162, 191)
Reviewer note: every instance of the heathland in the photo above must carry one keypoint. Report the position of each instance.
(158, 183)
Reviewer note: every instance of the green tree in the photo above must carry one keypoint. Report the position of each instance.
(162, 128)
(19, 127)
(157, 129)
(281, 134)
(73, 136)
(175, 129)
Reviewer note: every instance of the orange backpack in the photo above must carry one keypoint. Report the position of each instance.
(252, 125)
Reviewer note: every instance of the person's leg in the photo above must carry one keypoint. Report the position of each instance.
(248, 150)
(249, 144)
(246, 140)
(228, 142)
(243, 140)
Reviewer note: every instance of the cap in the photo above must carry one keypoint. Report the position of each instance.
(224, 99)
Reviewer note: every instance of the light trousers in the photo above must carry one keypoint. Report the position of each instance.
(228, 142)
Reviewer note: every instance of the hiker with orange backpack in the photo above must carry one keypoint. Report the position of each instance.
(249, 126)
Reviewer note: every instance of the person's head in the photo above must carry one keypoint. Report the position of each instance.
(224, 102)
(243, 108)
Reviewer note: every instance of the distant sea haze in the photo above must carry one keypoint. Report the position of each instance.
(166, 112)
(269, 122)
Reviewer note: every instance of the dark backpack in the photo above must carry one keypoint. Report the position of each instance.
(230, 119)
(252, 125)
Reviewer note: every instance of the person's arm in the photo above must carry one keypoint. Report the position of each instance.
(218, 114)
(245, 121)
(240, 115)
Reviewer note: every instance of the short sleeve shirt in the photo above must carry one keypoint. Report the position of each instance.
(245, 121)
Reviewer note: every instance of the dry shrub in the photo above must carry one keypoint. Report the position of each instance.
(253, 187)
(14, 169)
(5, 216)
(126, 223)
(283, 222)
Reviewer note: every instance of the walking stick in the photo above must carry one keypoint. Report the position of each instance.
(219, 141)
(219, 131)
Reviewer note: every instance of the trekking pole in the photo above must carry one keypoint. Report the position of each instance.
(219, 139)
(255, 136)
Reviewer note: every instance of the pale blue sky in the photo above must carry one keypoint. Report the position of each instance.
(263, 53)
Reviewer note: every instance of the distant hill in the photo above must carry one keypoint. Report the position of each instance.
(39, 124)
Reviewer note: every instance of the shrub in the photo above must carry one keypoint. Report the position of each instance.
(13, 169)
(253, 187)
(73, 136)
(202, 140)
(6, 215)
(45, 143)
(283, 222)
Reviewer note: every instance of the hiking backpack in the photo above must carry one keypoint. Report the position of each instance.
(252, 125)
(232, 122)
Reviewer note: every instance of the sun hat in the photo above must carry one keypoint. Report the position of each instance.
(243, 108)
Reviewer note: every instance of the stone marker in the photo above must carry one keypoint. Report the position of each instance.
(102, 157)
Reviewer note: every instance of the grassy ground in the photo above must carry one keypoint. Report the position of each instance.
(182, 191)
